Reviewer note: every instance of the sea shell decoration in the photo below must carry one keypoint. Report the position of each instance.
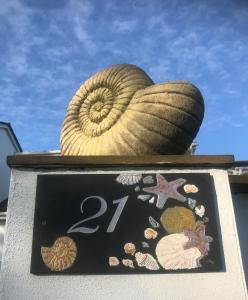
(205, 219)
(200, 210)
(61, 255)
(190, 188)
(172, 255)
(145, 245)
(146, 260)
(128, 179)
(191, 203)
(148, 180)
(150, 233)
(128, 263)
(113, 261)
(121, 104)
(129, 248)
(153, 222)
(144, 197)
(176, 219)
(152, 200)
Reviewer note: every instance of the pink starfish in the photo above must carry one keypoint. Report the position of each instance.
(198, 239)
(165, 190)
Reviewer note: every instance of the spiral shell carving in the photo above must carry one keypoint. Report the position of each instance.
(61, 255)
(120, 111)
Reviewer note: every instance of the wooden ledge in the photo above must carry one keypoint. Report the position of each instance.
(58, 161)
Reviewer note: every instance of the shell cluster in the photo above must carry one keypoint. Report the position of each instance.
(61, 255)
(121, 104)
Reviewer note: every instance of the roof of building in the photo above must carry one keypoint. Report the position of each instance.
(12, 134)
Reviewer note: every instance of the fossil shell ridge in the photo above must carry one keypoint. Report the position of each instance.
(120, 111)
(61, 255)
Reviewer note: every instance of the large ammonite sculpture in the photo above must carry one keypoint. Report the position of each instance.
(120, 111)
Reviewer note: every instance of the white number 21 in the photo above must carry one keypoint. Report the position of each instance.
(103, 208)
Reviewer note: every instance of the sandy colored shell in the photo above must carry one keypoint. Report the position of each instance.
(113, 261)
(61, 255)
(120, 111)
(172, 255)
(128, 263)
(150, 233)
(129, 248)
(190, 188)
(176, 219)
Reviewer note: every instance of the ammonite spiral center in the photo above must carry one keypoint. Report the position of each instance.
(99, 104)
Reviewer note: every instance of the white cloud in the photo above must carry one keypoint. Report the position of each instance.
(125, 25)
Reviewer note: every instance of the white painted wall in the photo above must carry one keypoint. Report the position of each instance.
(240, 202)
(19, 284)
(6, 148)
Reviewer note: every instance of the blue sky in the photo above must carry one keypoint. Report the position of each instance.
(49, 48)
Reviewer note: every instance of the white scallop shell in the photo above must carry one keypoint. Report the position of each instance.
(129, 179)
(172, 256)
(200, 210)
(146, 260)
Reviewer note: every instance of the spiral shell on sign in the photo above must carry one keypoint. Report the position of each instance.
(61, 255)
(119, 111)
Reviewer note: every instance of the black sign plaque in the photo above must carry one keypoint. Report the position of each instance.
(125, 222)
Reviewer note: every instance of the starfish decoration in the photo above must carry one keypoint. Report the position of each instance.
(165, 190)
(198, 239)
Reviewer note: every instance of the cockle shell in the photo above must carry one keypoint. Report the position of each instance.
(120, 111)
(176, 219)
(190, 188)
(150, 233)
(146, 260)
(129, 248)
(128, 263)
(61, 255)
(128, 179)
(113, 261)
(172, 255)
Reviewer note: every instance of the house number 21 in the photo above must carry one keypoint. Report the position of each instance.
(77, 227)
